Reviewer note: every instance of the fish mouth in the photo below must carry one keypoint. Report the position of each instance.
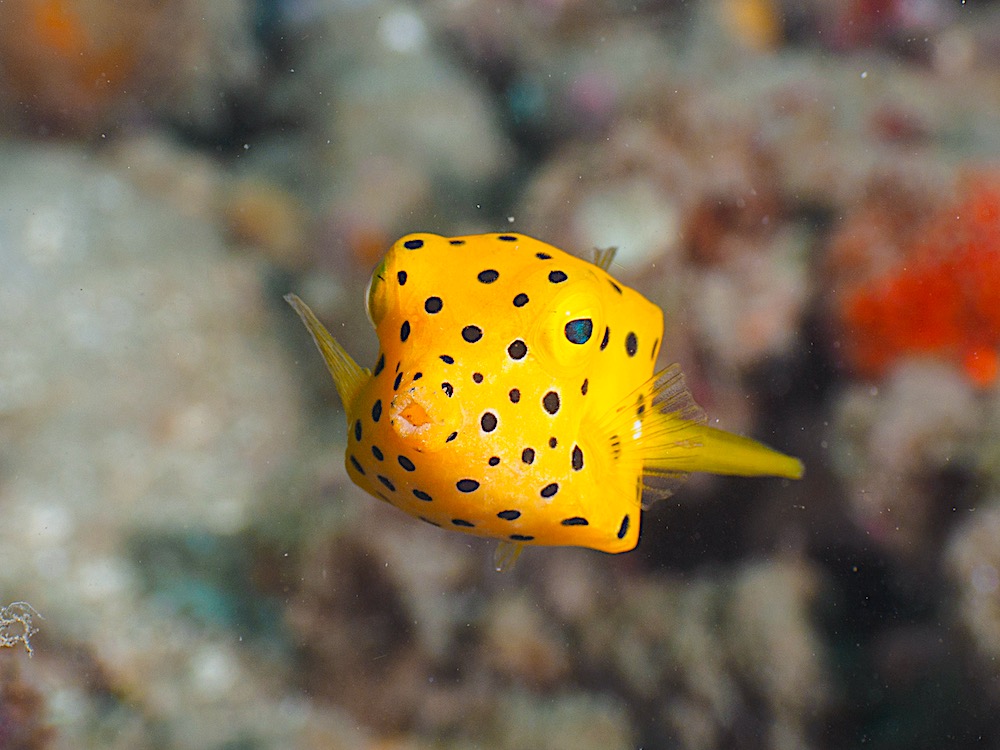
(424, 417)
(409, 415)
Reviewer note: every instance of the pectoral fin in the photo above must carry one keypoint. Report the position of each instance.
(348, 376)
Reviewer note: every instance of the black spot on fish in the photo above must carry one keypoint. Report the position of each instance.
(357, 465)
(377, 410)
(397, 381)
(417, 376)
(520, 537)
(406, 463)
(656, 344)
(477, 377)
(631, 344)
(380, 365)
(607, 337)
(448, 389)
(623, 530)
(557, 277)
(488, 422)
(467, 485)
(472, 334)
(543, 256)
(433, 305)
(488, 276)
(551, 402)
(463, 523)
(616, 287)
(528, 455)
(451, 437)
(553, 442)
(494, 460)
(577, 458)
(456, 242)
(550, 489)
(585, 387)
(377, 452)
(413, 244)
(509, 515)
(521, 300)
(401, 278)
(507, 238)
(517, 350)
(575, 521)
(386, 482)
(446, 359)
(357, 429)
(404, 331)
(514, 395)
(421, 495)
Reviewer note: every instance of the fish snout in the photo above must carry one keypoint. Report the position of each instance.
(424, 415)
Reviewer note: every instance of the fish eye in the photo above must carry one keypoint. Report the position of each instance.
(579, 331)
(568, 320)
(375, 297)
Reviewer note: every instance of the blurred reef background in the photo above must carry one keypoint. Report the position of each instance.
(809, 189)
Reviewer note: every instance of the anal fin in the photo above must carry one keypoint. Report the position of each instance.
(505, 555)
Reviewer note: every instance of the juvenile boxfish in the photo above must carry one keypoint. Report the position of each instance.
(514, 396)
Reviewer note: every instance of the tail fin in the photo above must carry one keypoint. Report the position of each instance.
(680, 446)
(676, 439)
(667, 434)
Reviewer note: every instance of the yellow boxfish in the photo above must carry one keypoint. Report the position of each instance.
(514, 396)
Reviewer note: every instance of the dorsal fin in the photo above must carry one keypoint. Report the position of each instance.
(348, 376)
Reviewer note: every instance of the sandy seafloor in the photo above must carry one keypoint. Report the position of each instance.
(811, 192)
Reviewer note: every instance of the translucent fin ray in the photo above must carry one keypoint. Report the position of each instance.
(604, 257)
(505, 555)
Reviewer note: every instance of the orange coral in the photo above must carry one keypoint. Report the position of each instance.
(943, 300)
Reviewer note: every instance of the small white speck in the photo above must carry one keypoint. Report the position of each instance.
(246, 146)
(864, 73)
(510, 219)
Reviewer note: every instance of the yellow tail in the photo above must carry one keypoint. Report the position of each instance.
(677, 445)
(674, 439)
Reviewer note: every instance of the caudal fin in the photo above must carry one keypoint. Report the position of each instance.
(689, 446)
(665, 430)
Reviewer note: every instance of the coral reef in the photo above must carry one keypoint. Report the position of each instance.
(941, 298)
(81, 68)
(808, 189)
(22, 710)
